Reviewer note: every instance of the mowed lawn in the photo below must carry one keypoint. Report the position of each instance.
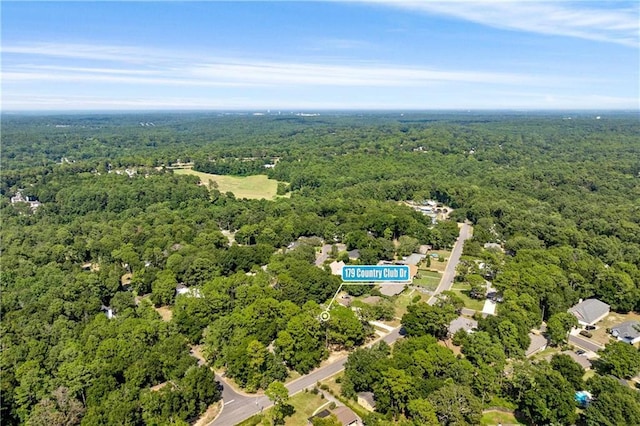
(463, 290)
(427, 279)
(252, 187)
(305, 404)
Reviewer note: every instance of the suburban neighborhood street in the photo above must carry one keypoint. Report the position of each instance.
(239, 407)
(584, 343)
(449, 273)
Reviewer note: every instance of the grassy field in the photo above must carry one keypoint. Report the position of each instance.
(427, 279)
(498, 417)
(253, 187)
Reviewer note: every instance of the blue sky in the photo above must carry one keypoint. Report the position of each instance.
(378, 54)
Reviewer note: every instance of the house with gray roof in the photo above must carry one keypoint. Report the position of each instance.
(627, 332)
(391, 289)
(580, 359)
(462, 323)
(367, 400)
(538, 343)
(413, 259)
(590, 311)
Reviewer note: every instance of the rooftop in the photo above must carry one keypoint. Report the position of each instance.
(626, 330)
(590, 310)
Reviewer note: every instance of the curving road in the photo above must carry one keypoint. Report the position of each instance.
(450, 271)
(239, 407)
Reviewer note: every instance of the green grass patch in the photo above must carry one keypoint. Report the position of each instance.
(403, 300)
(304, 403)
(427, 279)
(463, 292)
(588, 374)
(253, 187)
(498, 417)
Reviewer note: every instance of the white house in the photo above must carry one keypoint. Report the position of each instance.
(627, 332)
(590, 311)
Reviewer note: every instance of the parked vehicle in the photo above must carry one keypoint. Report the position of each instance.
(585, 333)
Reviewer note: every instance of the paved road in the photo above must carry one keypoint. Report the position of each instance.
(450, 271)
(238, 407)
(584, 343)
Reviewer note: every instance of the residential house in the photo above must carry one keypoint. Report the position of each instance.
(191, 292)
(345, 416)
(354, 254)
(391, 289)
(108, 311)
(493, 246)
(336, 267)
(538, 343)
(627, 332)
(589, 311)
(367, 400)
(413, 259)
(580, 359)
(462, 323)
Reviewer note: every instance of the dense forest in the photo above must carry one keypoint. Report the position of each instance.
(84, 273)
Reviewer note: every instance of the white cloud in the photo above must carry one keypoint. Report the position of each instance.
(619, 23)
(133, 65)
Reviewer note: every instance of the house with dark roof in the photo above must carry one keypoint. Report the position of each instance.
(590, 311)
(627, 332)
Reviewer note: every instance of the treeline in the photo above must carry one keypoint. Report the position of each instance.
(231, 166)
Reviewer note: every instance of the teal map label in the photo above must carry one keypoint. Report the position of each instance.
(375, 273)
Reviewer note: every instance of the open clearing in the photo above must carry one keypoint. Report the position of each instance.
(498, 418)
(253, 187)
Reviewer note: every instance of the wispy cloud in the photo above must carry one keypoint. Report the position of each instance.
(133, 65)
(618, 22)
